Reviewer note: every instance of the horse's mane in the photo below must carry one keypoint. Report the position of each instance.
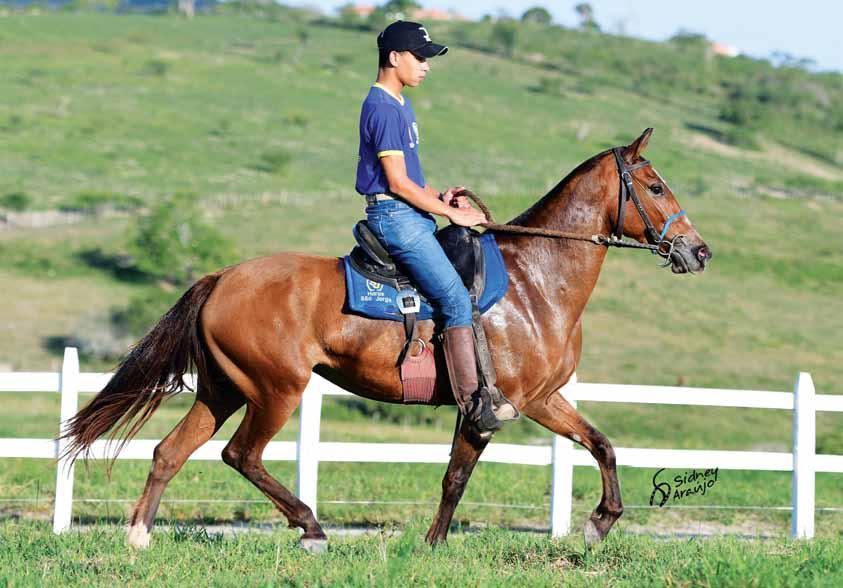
(582, 168)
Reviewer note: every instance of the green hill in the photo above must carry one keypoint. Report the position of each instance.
(258, 119)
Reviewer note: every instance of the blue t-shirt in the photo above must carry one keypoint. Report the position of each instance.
(387, 127)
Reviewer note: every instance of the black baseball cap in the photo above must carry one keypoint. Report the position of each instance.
(409, 36)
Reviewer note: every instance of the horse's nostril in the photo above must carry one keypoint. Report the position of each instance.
(704, 253)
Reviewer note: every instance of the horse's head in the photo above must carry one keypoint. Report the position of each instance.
(646, 210)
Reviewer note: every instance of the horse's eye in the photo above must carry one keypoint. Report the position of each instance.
(656, 189)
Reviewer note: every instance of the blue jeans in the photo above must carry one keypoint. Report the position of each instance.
(407, 234)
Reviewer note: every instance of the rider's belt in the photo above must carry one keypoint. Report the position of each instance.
(372, 199)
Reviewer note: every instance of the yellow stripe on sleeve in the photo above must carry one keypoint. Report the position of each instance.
(390, 152)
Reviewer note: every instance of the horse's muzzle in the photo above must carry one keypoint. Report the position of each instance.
(703, 253)
(687, 259)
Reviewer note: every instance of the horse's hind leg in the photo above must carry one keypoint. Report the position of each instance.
(464, 457)
(244, 452)
(205, 417)
(556, 414)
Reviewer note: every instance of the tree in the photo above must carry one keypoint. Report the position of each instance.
(689, 39)
(349, 16)
(399, 9)
(537, 14)
(586, 14)
(16, 201)
(302, 36)
(505, 35)
(174, 243)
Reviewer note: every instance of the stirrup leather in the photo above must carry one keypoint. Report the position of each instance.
(502, 409)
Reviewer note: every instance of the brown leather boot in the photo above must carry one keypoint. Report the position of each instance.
(458, 343)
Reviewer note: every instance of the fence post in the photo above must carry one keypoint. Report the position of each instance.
(804, 450)
(562, 486)
(69, 390)
(307, 448)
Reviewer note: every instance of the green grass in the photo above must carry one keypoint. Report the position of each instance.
(29, 555)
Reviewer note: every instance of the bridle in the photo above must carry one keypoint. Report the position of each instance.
(655, 239)
(656, 242)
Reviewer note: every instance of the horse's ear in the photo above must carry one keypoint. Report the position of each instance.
(634, 150)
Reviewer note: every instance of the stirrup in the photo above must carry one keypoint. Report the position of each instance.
(481, 414)
(504, 410)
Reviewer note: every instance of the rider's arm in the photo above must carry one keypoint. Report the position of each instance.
(426, 198)
(431, 191)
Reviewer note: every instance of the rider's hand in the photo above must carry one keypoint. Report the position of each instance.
(453, 197)
(467, 217)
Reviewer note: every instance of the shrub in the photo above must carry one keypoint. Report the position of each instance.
(142, 311)
(689, 39)
(745, 112)
(740, 136)
(12, 124)
(174, 243)
(537, 14)
(348, 16)
(16, 201)
(805, 185)
(297, 119)
(96, 202)
(505, 36)
(552, 86)
(156, 67)
(835, 116)
(274, 161)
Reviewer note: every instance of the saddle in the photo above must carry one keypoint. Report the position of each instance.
(461, 245)
(376, 282)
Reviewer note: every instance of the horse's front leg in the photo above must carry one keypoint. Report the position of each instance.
(464, 456)
(556, 414)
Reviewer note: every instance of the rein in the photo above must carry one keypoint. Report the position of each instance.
(657, 245)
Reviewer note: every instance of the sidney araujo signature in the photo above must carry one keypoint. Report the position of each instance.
(689, 483)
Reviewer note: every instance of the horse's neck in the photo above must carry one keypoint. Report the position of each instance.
(563, 271)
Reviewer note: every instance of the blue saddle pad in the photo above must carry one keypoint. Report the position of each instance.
(377, 301)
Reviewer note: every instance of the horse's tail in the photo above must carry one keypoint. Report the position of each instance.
(153, 371)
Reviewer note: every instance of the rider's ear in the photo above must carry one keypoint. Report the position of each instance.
(633, 151)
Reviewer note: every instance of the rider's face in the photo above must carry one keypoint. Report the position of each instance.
(411, 69)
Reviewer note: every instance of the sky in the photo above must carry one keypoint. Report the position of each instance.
(806, 28)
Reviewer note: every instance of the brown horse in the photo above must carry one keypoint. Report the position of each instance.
(256, 332)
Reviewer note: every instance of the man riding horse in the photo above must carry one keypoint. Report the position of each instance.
(400, 203)
(255, 332)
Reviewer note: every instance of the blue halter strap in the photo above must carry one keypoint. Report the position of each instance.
(668, 222)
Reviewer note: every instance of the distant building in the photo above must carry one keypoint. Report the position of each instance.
(362, 10)
(724, 49)
(436, 14)
(366, 10)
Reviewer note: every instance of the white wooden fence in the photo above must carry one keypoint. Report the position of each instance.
(308, 451)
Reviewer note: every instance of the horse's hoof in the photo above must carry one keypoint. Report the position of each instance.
(590, 533)
(316, 546)
(138, 536)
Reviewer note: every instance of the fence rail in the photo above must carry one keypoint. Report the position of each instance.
(308, 451)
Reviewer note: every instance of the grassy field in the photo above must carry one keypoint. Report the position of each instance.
(148, 106)
(30, 555)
